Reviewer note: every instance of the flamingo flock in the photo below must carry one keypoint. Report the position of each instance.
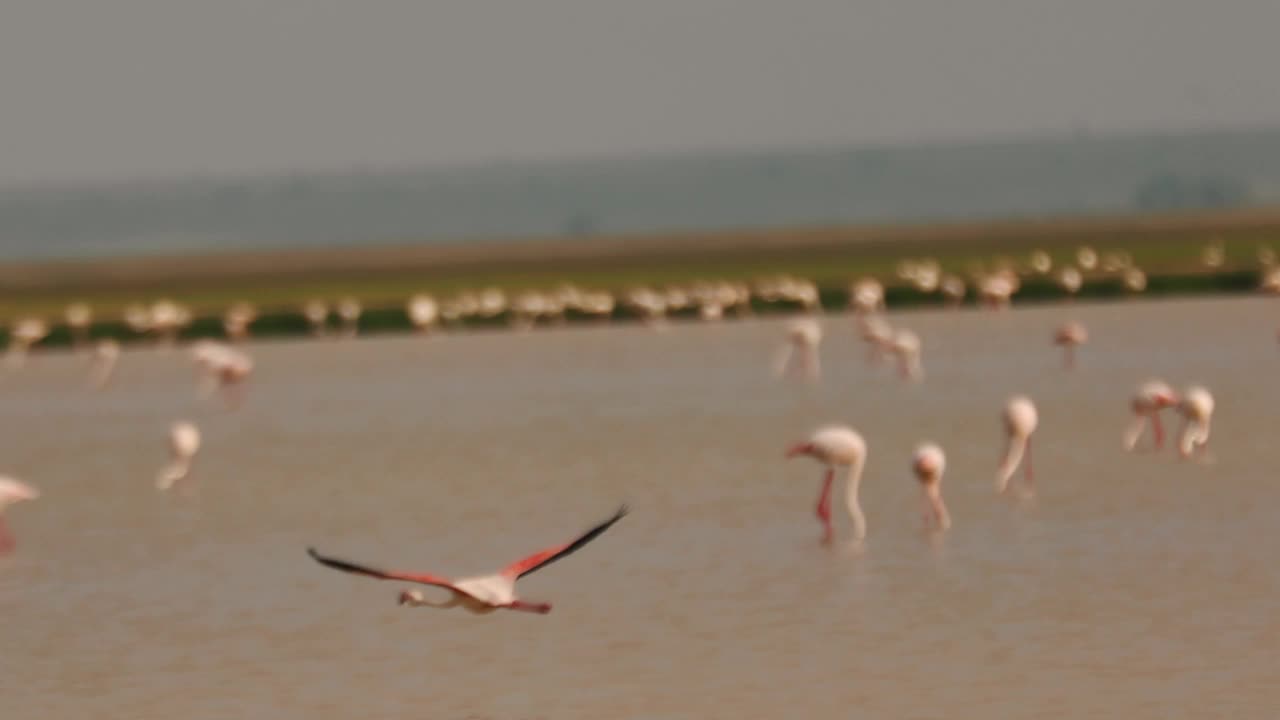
(839, 449)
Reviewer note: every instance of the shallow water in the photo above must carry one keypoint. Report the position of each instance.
(1133, 586)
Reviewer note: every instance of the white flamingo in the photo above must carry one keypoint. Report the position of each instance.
(1020, 421)
(184, 443)
(480, 594)
(837, 446)
(106, 355)
(12, 491)
(222, 367)
(1196, 409)
(928, 463)
(799, 354)
(906, 348)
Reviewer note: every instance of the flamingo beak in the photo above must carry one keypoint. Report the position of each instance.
(799, 449)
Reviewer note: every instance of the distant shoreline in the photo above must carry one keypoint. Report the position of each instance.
(1166, 246)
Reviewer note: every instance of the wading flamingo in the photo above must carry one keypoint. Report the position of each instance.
(184, 442)
(1196, 409)
(906, 348)
(222, 367)
(799, 354)
(1148, 401)
(1069, 336)
(483, 593)
(837, 446)
(928, 463)
(106, 354)
(1020, 420)
(12, 491)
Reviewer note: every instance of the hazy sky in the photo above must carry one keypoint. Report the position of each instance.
(94, 89)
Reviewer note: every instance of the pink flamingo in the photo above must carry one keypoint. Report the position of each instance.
(928, 463)
(1020, 421)
(1148, 401)
(837, 446)
(12, 491)
(483, 593)
(1069, 336)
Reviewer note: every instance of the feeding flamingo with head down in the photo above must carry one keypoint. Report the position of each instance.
(1069, 336)
(1020, 421)
(1196, 409)
(1150, 399)
(928, 463)
(483, 593)
(837, 447)
(184, 442)
(12, 491)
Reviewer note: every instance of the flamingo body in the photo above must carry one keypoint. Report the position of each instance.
(928, 462)
(1020, 421)
(12, 491)
(837, 446)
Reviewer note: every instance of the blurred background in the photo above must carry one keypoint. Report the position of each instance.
(152, 150)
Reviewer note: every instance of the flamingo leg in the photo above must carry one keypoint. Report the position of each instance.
(1027, 473)
(1157, 429)
(6, 538)
(824, 504)
(1071, 357)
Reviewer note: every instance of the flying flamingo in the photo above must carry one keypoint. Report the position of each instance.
(1020, 420)
(184, 442)
(928, 463)
(799, 356)
(1070, 335)
(483, 593)
(837, 446)
(1151, 397)
(12, 491)
(1196, 409)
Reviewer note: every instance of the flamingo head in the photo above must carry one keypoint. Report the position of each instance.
(804, 448)
(411, 597)
(540, 608)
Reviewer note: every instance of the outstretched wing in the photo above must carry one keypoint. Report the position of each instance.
(344, 566)
(538, 560)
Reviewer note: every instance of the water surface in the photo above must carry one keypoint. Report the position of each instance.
(1134, 586)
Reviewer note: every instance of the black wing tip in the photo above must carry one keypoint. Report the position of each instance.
(623, 511)
(313, 552)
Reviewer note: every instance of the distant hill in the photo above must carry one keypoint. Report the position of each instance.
(1065, 175)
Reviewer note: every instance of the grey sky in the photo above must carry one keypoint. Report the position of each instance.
(97, 89)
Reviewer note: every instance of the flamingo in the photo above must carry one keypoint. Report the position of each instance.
(1070, 335)
(1196, 409)
(928, 463)
(316, 312)
(483, 593)
(222, 366)
(837, 446)
(423, 312)
(1150, 398)
(1020, 420)
(952, 289)
(1070, 280)
(106, 353)
(799, 355)
(184, 442)
(79, 317)
(24, 334)
(12, 491)
(878, 335)
(349, 310)
(906, 347)
(866, 296)
(237, 319)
